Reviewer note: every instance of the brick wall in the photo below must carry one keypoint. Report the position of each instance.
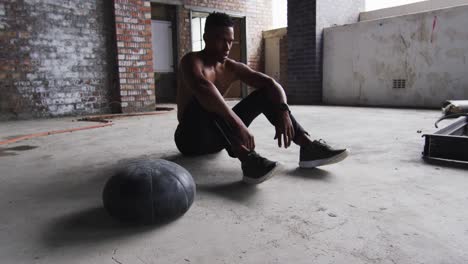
(135, 57)
(56, 58)
(303, 71)
(183, 30)
(258, 13)
(306, 20)
(63, 57)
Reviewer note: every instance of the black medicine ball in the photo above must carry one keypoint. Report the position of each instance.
(149, 191)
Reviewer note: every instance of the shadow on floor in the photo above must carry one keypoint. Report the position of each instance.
(82, 189)
(457, 165)
(90, 225)
(88, 222)
(235, 191)
(232, 189)
(93, 224)
(311, 174)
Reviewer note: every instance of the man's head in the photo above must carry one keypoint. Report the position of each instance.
(219, 35)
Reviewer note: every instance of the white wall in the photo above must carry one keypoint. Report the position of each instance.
(421, 6)
(379, 4)
(362, 59)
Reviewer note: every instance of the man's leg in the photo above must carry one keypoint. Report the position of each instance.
(256, 169)
(197, 134)
(312, 153)
(201, 132)
(257, 103)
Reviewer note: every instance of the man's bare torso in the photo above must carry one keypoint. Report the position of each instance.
(221, 75)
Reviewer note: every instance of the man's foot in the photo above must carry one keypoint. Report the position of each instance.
(318, 153)
(258, 169)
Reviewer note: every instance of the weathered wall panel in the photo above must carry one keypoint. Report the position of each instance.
(427, 50)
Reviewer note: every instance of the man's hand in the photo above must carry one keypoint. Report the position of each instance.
(284, 129)
(246, 138)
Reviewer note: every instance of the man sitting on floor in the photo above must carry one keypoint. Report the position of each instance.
(208, 125)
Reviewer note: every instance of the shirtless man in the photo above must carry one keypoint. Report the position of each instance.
(208, 125)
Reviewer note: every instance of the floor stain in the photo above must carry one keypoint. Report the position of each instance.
(11, 151)
(21, 148)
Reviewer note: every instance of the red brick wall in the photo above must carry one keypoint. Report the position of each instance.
(133, 34)
(184, 45)
(259, 18)
(135, 58)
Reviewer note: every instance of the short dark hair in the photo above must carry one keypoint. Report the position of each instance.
(216, 19)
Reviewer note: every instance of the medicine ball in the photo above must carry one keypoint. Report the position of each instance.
(149, 191)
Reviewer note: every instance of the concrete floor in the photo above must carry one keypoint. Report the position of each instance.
(381, 205)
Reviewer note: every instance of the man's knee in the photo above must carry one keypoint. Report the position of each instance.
(260, 94)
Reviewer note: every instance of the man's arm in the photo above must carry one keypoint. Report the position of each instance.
(211, 99)
(259, 80)
(276, 95)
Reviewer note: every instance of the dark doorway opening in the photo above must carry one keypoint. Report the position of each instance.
(164, 45)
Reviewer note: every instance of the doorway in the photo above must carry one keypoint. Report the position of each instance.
(238, 49)
(163, 41)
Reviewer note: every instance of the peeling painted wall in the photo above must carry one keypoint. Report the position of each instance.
(429, 50)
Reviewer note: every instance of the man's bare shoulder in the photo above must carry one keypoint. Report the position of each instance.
(233, 64)
(230, 62)
(238, 68)
(191, 59)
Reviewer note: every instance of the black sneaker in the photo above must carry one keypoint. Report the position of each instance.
(319, 153)
(258, 169)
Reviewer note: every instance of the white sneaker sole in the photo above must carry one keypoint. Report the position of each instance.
(322, 162)
(264, 178)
